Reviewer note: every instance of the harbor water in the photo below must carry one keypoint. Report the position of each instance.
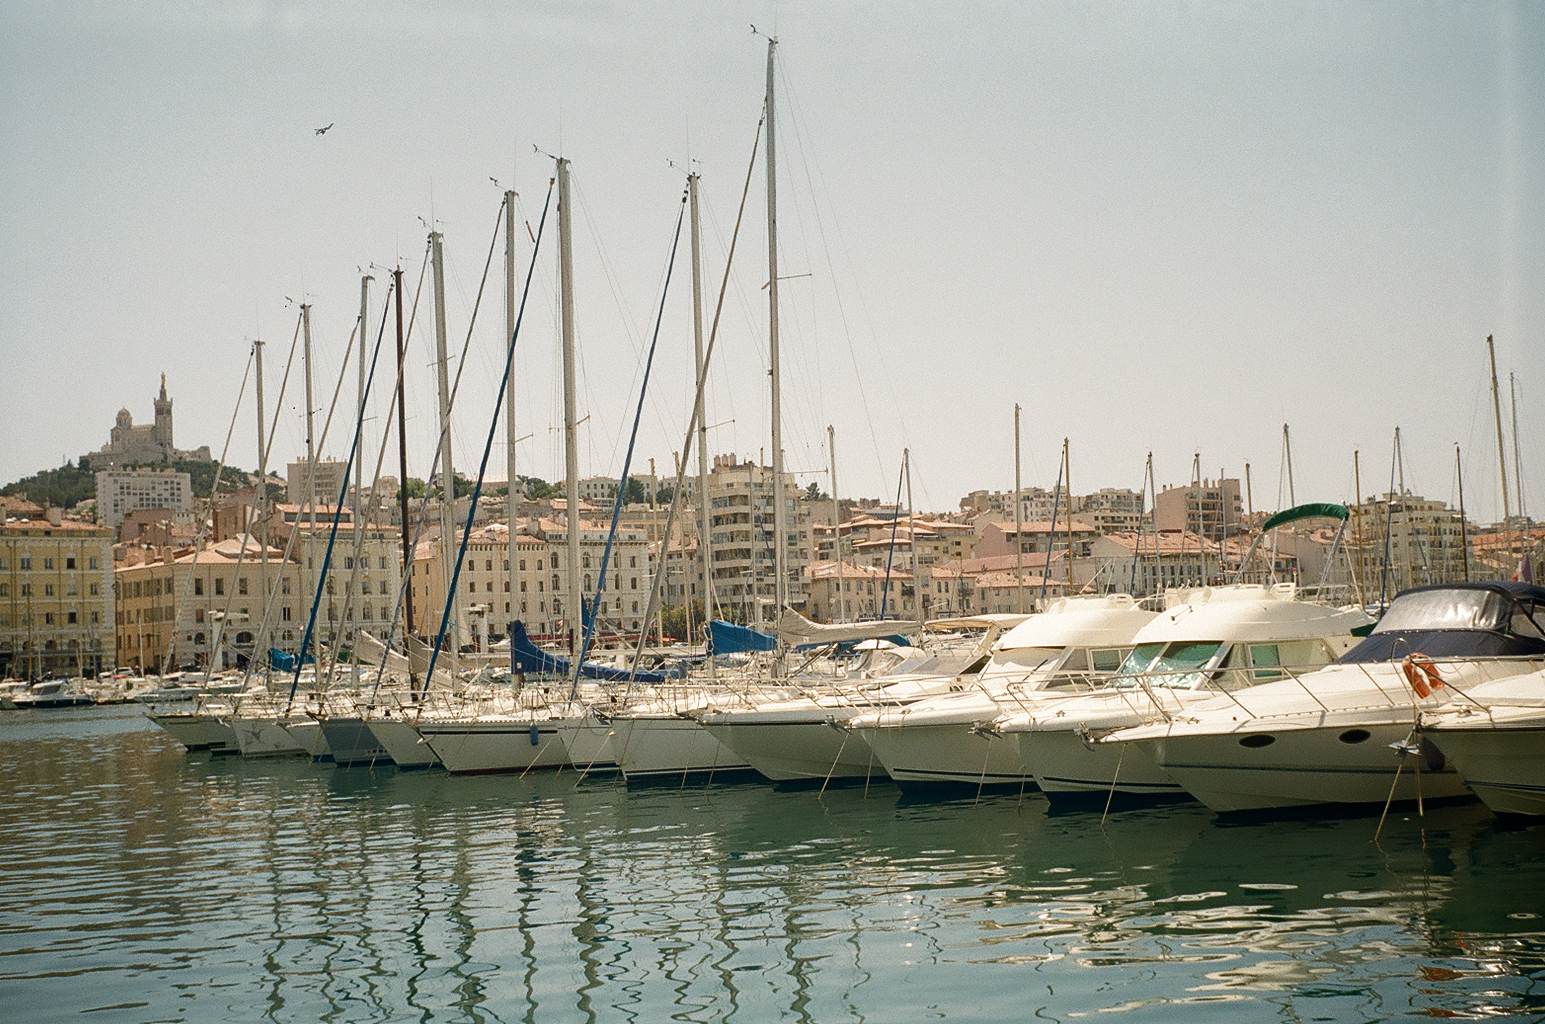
(143, 883)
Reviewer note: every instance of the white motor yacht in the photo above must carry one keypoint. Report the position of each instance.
(939, 742)
(1210, 640)
(1347, 734)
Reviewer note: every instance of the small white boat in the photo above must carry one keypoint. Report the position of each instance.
(51, 693)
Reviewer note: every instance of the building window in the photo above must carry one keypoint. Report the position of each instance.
(198, 588)
(284, 613)
(241, 585)
(48, 563)
(69, 562)
(70, 618)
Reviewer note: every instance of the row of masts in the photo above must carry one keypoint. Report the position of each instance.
(575, 597)
(446, 473)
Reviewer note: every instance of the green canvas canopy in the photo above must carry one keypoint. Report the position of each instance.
(1292, 515)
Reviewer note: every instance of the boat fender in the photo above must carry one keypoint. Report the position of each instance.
(533, 734)
(1421, 674)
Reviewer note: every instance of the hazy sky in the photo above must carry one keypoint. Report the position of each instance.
(1168, 227)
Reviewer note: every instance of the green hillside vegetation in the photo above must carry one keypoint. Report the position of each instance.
(69, 485)
(65, 487)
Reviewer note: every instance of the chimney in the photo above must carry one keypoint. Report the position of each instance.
(55, 516)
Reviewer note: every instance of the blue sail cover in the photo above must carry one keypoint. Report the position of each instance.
(283, 662)
(526, 656)
(728, 638)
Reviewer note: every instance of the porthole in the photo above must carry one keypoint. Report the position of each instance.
(1257, 740)
(1354, 736)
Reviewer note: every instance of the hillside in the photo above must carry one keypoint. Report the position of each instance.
(69, 485)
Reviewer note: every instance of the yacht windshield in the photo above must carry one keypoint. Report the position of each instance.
(1173, 666)
(1443, 609)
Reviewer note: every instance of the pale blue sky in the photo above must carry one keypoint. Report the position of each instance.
(1166, 227)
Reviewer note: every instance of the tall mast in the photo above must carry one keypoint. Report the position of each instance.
(509, 396)
(1287, 457)
(1518, 466)
(705, 549)
(447, 473)
(570, 427)
(1496, 406)
(917, 597)
(780, 554)
(364, 335)
(311, 452)
(402, 462)
(1357, 530)
(262, 497)
(1464, 544)
(831, 448)
(1067, 469)
(354, 606)
(1019, 540)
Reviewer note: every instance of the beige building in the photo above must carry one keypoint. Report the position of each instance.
(1145, 564)
(56, 598)
(490, 594)
(1406, 540)
(859, 592)
(326, 479)
(1002, 538)
(740, 496)
(1210, 509)
(175, 610)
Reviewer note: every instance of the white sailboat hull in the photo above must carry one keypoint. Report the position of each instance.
(266, 736)
(402, 742)
(669, 747)
(797, 746)
(503, 744)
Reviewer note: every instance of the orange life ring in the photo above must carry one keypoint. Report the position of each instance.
(1421, 674)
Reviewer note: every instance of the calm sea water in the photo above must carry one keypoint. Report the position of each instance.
(145, 884)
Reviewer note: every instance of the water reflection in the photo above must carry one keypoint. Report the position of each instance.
(148, 884)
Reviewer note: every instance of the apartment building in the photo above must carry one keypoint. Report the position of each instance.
(56, 598)
(121, 491)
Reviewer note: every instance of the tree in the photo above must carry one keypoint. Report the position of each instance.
(665, 495)
(415, 487)
(814, 492)
(537, 488)
(673, 621)
(635, 493)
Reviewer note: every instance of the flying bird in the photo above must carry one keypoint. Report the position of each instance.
(322, 131)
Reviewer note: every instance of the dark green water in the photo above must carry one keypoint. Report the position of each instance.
(145, 884)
